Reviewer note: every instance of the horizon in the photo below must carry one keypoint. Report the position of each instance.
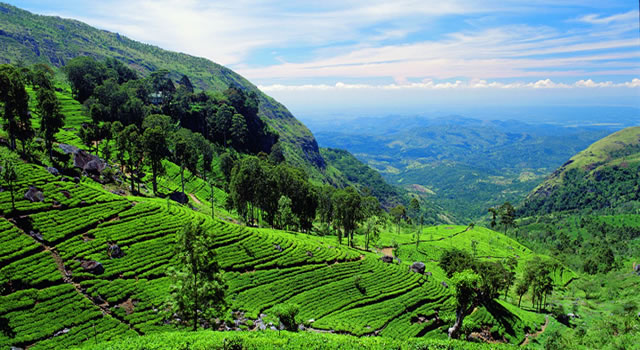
(362, 58)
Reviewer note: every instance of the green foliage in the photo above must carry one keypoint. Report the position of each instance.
(197, 289)
(14, 99)
(287, 313)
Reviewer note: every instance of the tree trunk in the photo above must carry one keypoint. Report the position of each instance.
(155, 181)
(133, 188)
(453, 331)
(520, 300)
(182, 177)
(13, 201)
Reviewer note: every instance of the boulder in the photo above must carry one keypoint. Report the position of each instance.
(277, 247)
(179, 197)
(34, 195)
(53, 171)
(388, 259)
(114, 251)
(68, 149)
(418, 267)
(444, 284)
(88, 162)
(66, 194)
(309, 254)
(92, 266)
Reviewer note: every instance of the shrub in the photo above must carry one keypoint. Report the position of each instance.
(287, 313)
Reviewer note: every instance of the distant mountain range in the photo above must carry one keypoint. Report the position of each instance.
(466, 165)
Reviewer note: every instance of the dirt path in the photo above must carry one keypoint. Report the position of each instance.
(387, 251)
(529, 336)
(66, 277)
(195, 199)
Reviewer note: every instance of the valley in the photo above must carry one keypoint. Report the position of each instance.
(151, 199)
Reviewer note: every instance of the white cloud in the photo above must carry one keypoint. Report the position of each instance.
(458, 84)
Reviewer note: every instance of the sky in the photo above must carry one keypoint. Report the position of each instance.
(358, 58)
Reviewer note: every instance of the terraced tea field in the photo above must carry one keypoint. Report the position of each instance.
(50, 299)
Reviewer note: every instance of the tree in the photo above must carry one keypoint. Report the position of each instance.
(276, 156)
(15, 101)
(456, 260)
(186, 84)
(371, 230)
(155, 150)
(507, 216)
(129, 138)
(84, 74)
(348, 211)
(185, 153)
(510, 274)
(398, 213)
(285, 217)
(51, 118)
(466, 285)
(414, 210)
(198, 288)
(521, 289)
(226, 165)
(239, 131)
(9, 176)
(494, 216)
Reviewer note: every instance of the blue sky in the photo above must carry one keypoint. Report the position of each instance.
(327, 57)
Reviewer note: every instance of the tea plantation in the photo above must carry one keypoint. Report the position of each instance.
(51, 299)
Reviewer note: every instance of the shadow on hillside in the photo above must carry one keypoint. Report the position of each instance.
(503, 316)
(6, 329)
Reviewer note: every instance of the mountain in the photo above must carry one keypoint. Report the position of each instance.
(464, 164)
(28, 38)
(606, 175)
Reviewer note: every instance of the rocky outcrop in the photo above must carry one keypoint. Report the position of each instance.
(387, 259)
(92, 266)
(34, 194)
(417, 267)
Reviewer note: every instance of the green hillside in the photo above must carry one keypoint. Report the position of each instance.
(602, 177)
(29, 39)
(49, 300)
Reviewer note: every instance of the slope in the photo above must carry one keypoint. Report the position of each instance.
(603, 176)
(30, 39)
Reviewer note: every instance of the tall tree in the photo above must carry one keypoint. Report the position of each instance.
(15, 101)
(507, 216)
(185, 153)
(198, 288)
(9, 177)
(466, 286)
(398, 213)
(494, 217)
(51, 118)
(84, 74)
(348, 211)
(154, 143)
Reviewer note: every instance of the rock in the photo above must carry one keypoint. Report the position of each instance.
(76, 180)
(572, 315)
(88, 162)
(388, 259)
(273, 328)
(309, 254)
(68, 149)
(36, 235)
(61, 332)
(66, 194)
(34, 195)
(301, 327)
(92, 266)
(114, 251)
(277, 247)
(418, 267)
(428, 274)
(311, 320)
(179, 197)
(53, 171)
(444, 284)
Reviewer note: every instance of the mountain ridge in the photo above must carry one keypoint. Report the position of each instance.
(29, 38)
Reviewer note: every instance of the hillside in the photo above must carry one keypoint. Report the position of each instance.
(602, 177)
(30, 38)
